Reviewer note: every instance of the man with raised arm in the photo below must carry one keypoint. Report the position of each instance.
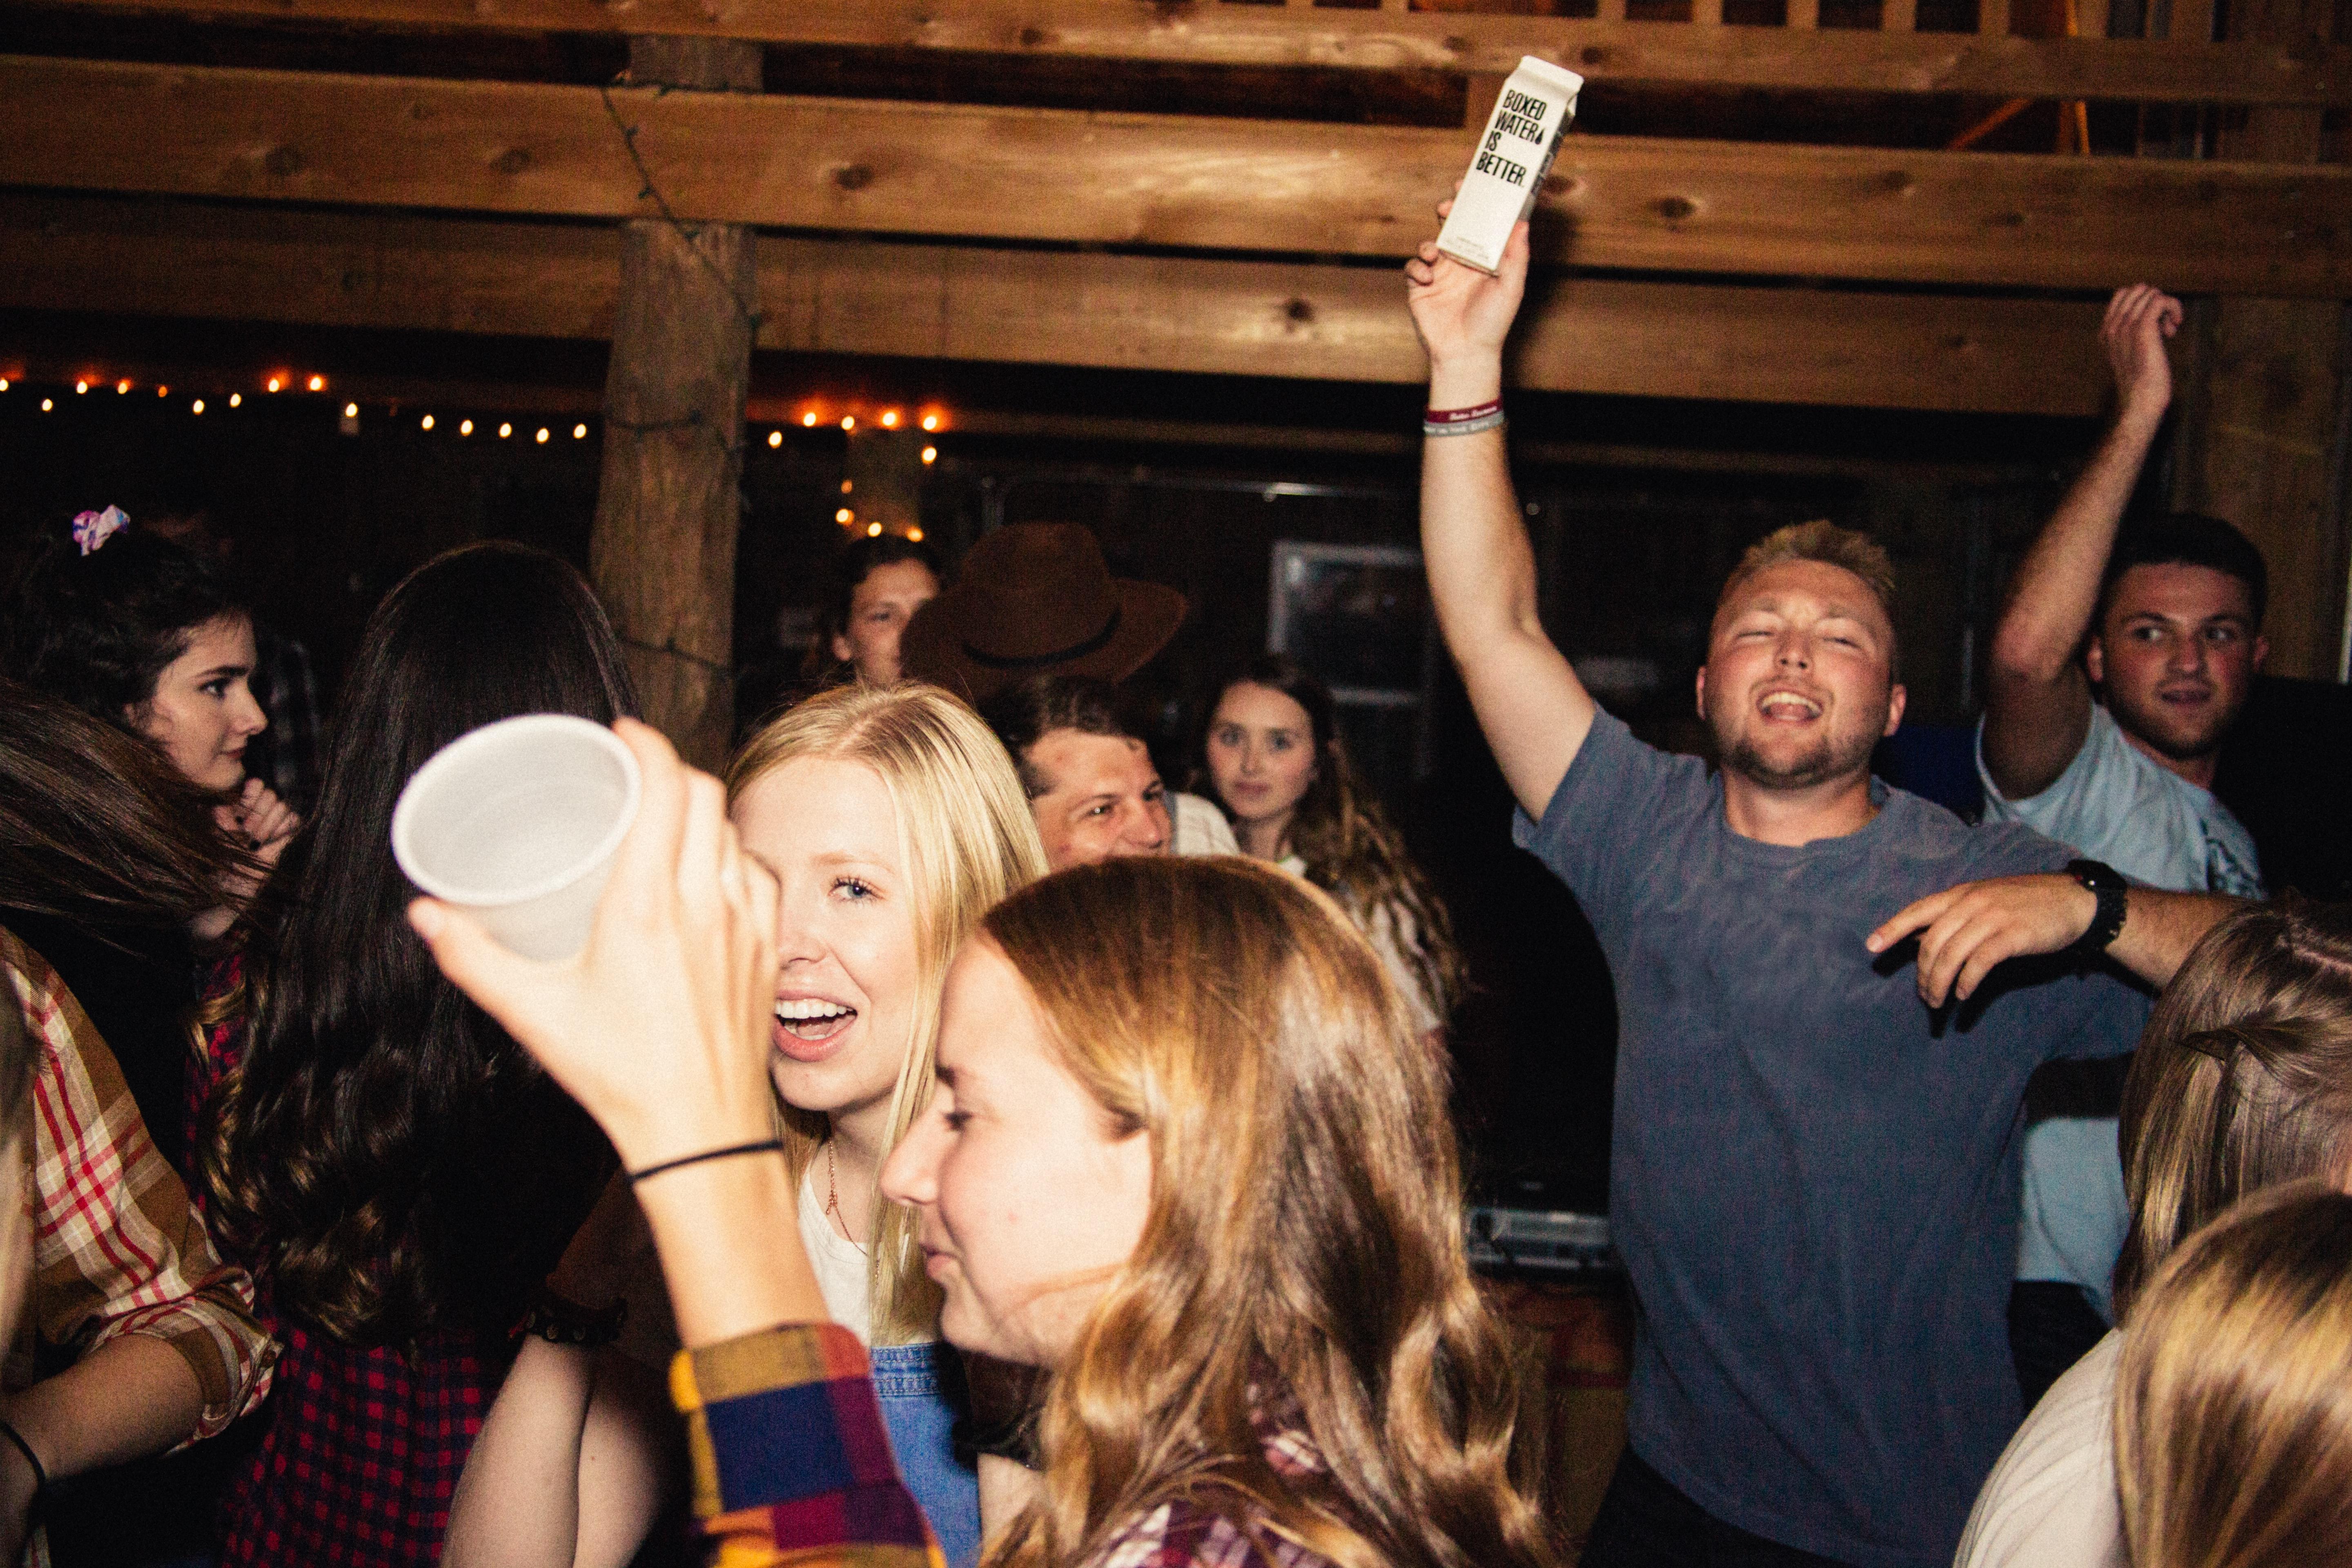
(1811, 1176)
(2164, 618)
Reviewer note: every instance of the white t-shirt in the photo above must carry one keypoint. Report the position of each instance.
(841, 1277)
(2051, 1502)
(1197, 828)
(1392, 930)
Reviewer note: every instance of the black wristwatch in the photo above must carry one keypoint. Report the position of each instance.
(2108, 922)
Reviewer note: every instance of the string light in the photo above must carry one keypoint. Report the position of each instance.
(505, 430)
(425, 423)
(889, 420)
(845, 487)
(580, 432)
(318, 384)
(4, 383)
(198, 406)
(350, 410)
(915, 534)
(273, 383)
(465, 428)
(873, 531)
(931, 454)
(808, 420)
(775, 437)
(122, 388)
(844, 515)
(235, 399)
(48, 404)
(81, 386)
(849, 421)
(930, 421)
(541, 436)
(162, 391)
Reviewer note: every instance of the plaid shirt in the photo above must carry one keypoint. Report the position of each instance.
(792, 1466)
(117, 1248)
(363, 1448)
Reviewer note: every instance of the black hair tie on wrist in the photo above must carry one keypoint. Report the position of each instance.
(765, 1146)
(41, 1471)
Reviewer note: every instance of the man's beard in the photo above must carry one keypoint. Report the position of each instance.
(2149, 726)
(1821, 765)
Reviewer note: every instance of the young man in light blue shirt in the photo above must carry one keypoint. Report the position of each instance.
(2123, 657)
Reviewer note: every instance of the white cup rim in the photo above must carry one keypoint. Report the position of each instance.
(453, 754)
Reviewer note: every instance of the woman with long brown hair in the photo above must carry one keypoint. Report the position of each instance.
(2243, 1082)
(1187, 1154)
(1273, 755)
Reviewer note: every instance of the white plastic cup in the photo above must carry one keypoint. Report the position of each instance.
(517, 822)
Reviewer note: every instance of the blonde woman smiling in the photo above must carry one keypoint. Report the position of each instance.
(891, 820)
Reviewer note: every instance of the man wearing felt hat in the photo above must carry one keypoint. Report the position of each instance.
(1034, 619)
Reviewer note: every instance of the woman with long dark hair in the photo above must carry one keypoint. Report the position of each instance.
(1274, 757)
(399, 1174)
(155, 643)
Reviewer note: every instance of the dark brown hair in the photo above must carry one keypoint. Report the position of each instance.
(1028, 711)
(2243, 1077)
(96, 828)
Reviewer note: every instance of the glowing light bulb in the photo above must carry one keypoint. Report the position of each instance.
(81, 386)
(318, 384)
(580, 432)
(4, 383)
(425, 423)
(273, 383)
(915, 534)
(505, 430)
(844, 515)
(121, 387)
(48, 404)
(930, 421)
(464, 426)
(235, 399)
(160, 391)
(350, 410)
(775, 437)
(850, 422)
(809, 419)
(198, 406)
(845, 487)
(873, 531)
(931, 454)
(889, 420)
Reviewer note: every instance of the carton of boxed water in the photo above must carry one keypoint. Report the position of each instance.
(1522, 135)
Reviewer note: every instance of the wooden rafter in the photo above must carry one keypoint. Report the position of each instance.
(927, 301)
(1212, 32)
(1168, 182)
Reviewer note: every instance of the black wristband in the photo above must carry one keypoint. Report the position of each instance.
(560, 1320)
(2114, 895)
(41, 1471)
(764, 1146)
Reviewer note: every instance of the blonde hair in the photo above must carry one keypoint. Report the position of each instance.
(1304, 1238)
(1822, 541)
(966, 838)
(2243, 1077)
(2233, 1397)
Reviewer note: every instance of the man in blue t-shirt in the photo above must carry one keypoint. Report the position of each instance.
(1812, 1179)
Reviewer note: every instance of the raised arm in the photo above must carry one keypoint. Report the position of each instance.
(1481, 572)
(2037, 698)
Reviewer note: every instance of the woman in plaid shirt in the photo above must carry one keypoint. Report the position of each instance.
(1187, 1154)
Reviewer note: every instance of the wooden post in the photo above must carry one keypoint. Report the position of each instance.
(669, 501)
(2263, 413)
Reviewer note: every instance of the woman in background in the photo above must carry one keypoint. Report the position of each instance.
(893, 820)
(2233, 1401)
(154, 642)
(398, 1173)
(1273, 755)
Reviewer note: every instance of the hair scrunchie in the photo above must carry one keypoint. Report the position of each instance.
(92, 529)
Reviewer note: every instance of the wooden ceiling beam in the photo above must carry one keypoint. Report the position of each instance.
(1971, 354)
(1164, 182)
(1211, 32)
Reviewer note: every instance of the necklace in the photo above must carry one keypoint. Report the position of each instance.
(833, 1196)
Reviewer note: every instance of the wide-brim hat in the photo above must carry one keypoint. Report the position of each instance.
(1036, 598)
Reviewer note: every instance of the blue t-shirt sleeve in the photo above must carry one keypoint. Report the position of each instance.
(1608, 815)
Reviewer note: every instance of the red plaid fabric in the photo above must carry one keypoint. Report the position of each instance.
(1185, 1534)
(362, 1449)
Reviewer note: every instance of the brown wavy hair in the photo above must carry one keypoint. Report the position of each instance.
(1350, 848)
(2243, 1077)
(2233, 1426)
(1304, 1236)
